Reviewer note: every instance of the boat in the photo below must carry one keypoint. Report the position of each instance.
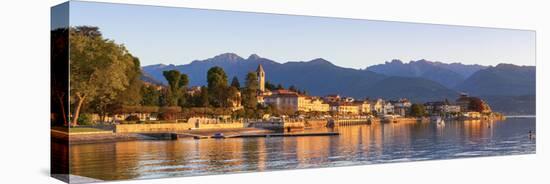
(218, 136)
(438, 120)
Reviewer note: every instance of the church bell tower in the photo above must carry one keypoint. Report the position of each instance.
(261, 77)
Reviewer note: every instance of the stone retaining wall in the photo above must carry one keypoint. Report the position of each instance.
(166, 127)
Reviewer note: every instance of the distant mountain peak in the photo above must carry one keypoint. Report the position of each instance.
(395, 61)
(228, 57)
(320, 61)
(253, 57)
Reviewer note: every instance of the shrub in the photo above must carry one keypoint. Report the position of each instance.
(132, 118)
(85, 119)
(167, 116)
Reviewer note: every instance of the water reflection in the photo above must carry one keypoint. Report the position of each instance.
(376, 143)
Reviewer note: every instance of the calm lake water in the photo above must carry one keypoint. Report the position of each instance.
(364, 144)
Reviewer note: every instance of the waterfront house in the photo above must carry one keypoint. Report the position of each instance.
(434, 107)
(448, 108)
(387, 108)
(377, 106)
(292, 101)
(401, 106)
(332, 98)
(364, 106)
(344, 108)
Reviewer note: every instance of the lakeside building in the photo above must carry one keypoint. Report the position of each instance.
(387, 108)
(332, 98)
(286, 100)
(441, 107)
(401, 106)
(450, 108)
(364, 106)
(344, 108)
(377, 106)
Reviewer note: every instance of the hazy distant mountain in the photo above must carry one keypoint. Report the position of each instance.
(508, 88)
(318, 77)
(501, 80)
(146, 77)
(414, 88)
(448, 75)
(513, 105)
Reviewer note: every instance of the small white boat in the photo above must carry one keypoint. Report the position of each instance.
(438, 120)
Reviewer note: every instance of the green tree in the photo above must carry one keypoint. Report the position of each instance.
(270, 86)
(203, 100)
(418, 110)
(249, 99)
(99, 69)
(217, 87)
(150, 96)
(280, 86)
(132, 95)
(235, 83)
(293, 88)
(476, 104)
(177, 82)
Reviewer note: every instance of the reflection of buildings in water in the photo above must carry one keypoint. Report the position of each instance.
(401, 135)
(254, 154)
(221, 154)
(88, 158)
(312, 150)
(356, 139)
(376, 133)
(477, 130)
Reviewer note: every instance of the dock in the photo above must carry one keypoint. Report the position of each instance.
(175, 136)
(286, 134)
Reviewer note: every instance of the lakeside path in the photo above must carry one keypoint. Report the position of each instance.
(117, 137)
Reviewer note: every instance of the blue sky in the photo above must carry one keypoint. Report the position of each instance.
(181, 35)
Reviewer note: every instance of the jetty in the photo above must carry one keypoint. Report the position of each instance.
(175, 136)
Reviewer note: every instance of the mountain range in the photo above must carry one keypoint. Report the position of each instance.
(419, 81)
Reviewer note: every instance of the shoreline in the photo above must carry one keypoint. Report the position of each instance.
(111, 136)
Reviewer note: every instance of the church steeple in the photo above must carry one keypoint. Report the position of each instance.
(261, 77)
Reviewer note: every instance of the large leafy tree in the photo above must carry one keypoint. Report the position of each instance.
(217, 87)
(98, 68)
(476, 104)
(177, 82)
(249, 92)
(150, 96)
(133, 94)
(418, 110)
(203, 100)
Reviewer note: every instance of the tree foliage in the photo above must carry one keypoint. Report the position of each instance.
(476, 104)
(270, 86)
(418, 110)
(217, 86)
(177, 82)
(249, 98)
(99, 69)
(150, 96)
